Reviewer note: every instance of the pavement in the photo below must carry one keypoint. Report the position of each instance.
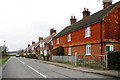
(112, 73)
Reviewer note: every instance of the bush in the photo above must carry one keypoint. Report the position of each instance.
(114, 60)
(60, 51)
(31, 56)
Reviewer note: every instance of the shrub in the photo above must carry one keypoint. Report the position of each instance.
(114, 60)
(60, 51)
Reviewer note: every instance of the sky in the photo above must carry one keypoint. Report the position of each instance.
(24, 21)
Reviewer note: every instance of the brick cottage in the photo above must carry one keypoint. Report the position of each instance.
(93, 35)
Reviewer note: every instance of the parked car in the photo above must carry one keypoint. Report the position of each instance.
(17, 55)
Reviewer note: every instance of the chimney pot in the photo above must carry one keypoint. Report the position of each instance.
(74, 17)
(72, 20)
(40, 38)
(87, 9)
(33, 42)
(84, 9)
(71, 17)
(52, 31)
(28, 45)
(86, 13)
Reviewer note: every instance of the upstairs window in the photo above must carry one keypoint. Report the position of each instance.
(43, 44)
(88, 49)
(40, 44)
(87, 32)
(69, 37)
(57, 40)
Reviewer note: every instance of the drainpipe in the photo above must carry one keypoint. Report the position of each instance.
(101, 40)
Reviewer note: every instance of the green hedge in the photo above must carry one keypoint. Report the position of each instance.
(114, 60)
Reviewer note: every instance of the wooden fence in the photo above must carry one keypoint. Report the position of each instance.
(97, 61)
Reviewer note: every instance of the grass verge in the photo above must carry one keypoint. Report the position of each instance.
(4, 60)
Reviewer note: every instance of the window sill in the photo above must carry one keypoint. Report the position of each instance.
(69, 40)
(88, 54)
(69, 54)
(87, 36)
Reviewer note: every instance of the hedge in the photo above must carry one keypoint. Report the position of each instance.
(114, 60)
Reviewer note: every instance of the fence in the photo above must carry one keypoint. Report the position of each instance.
(99, 61)
(83, 60)
(64, 59)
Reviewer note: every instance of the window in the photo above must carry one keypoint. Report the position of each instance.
(43, 44)
(51, 42)
(69, 50)
(40, 44)
(57, 40)
(88, 49)
(109, 48)
(69, 37)
(87, 32)
(41, 52)
(33, 48)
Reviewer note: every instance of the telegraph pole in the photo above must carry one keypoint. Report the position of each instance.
(4, 43)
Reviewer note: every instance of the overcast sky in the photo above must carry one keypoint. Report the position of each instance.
(23, 21)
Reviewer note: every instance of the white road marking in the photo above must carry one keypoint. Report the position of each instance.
(22, 62)
(36, 71)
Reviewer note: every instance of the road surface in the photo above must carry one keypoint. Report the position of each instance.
(19, 67)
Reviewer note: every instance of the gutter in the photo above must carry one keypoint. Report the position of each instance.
(101, 40)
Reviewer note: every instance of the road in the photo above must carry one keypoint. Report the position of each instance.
(19, 67)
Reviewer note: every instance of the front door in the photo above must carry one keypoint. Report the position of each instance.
(109, 48)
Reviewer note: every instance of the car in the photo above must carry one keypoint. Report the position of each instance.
(17, 55)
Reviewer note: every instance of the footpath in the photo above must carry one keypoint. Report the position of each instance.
(112, 73)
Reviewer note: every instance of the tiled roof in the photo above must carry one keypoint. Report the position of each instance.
(94, 18)
(47, 39)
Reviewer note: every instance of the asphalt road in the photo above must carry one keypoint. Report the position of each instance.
(19, 67)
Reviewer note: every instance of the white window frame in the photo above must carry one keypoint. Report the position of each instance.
(88, 49)
(87, 32)
(41, 52)
(33, 48)
(69, 37)
(57, 40)
(69, 50)
(111, 47)
(40, 44)
(43, 44)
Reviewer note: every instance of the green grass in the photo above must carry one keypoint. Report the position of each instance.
(4, 60)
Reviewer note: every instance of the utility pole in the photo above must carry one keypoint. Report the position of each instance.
(4, 47)
(4, 43)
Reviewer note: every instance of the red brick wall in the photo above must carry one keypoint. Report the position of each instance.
(111, 28)
(78, 38)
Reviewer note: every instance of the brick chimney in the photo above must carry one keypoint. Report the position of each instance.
(107, 3)
(28, 45)
(52, 31)
(33, 42)
(73, 20)
(86, 13)
(40, 38)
